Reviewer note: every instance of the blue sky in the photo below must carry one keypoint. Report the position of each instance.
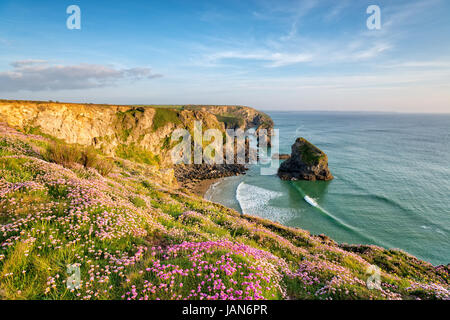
(273, 55)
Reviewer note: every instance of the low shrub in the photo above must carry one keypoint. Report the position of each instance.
(62, 154)
(65, 154)
(104, 167)
(89, 157)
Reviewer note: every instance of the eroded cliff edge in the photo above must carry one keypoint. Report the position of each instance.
(130, 131)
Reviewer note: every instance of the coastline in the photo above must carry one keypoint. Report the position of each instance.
(166, 215)
(200, 187)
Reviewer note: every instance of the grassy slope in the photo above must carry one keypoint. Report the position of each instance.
(135, 238)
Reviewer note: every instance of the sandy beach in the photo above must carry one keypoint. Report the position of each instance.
(200, 187)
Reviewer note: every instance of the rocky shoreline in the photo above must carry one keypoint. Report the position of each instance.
(198, 178)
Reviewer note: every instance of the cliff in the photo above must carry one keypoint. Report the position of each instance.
(140, 133)
(112, 128)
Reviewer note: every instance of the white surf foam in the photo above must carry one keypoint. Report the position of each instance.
(255, 201)
(311, 201)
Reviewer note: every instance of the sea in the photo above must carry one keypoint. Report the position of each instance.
(391, 185)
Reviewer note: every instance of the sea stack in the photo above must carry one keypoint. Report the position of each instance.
(307, 162)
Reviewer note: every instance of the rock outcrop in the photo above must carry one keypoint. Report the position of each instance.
(109, 127)
(282, 156)
(307, 162)
(126, 131)
(196, 172)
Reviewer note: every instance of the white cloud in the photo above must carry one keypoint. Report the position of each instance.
(336, 11)
(314, 52)
(372, 52)
(408, 13)
(39, 75)
(272, 59)
(292, 47)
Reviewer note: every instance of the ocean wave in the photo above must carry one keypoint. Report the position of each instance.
(333, 218)
(435, 229)
(255, 200)
(376, 198)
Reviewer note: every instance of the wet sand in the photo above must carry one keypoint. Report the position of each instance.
(200, 187)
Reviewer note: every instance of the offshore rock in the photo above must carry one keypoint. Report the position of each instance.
(307, 162)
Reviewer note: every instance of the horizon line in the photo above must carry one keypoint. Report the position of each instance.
(234, 105)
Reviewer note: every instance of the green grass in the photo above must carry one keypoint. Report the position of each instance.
(138, 202)
(12, 170)
(137, 154)
(37, 131)
(164, 116)
(10, 147)
(172, 209)
(231, 122)
(311, 155)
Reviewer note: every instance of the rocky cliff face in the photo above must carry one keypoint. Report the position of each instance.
(108, 127)
(239, 116)
(128, 131)
(307, 162)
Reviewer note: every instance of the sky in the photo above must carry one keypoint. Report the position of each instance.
(271, 55)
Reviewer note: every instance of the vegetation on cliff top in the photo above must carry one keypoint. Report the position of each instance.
(133, 237)
(231, 122)
(163, 117)
(311, 155)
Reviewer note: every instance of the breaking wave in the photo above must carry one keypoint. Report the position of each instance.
(255, 201)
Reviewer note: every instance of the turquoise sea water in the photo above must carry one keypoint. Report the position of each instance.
(391, 186)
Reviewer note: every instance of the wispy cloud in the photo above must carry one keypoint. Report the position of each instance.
(271, 59)
(5, 42)
(442, 64)
(27, 63)
(270, 10)
(303, 8)
(313, 52)
(405, 13)
(336, 10)
(286, 53)
(289, 13)
(375, 50)
(293, 47)
(38, 75)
